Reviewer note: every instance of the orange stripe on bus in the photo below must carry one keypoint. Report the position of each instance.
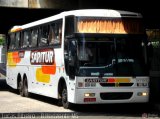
(123, 80)
(16, 57)
(17, 29)
(49, 69)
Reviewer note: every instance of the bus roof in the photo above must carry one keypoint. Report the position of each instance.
(83, 12)
(102, 13)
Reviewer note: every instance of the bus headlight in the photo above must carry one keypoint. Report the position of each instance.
(89, 95)
(142, 94)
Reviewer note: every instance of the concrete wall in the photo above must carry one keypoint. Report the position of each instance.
(55, 4)
(14, 3)
(59, 4)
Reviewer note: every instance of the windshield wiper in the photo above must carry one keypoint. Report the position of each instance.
(87, 64)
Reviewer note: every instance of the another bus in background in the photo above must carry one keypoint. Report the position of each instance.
(2, 56)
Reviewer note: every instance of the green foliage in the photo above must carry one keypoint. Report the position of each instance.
(2, 41)
(156, 44)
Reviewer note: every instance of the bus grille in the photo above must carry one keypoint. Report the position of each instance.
(116, 95)
(116, 84)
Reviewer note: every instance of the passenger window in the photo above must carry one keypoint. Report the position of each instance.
(12, 41)
(25, 42)
(44, 31)
(51, 35)
(17, 42)
(55, 33)
(34, 38)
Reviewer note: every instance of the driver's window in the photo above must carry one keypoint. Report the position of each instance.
(85, 51)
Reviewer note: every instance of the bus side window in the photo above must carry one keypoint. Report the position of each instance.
(17, 42)
(44, 31)
(34, 37)
(25, 39)
(55, 33)
(12, 41)
(51, 35)
(58, 33)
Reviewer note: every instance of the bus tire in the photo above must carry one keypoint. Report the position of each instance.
(59, 102)
(25, 88)
(65, 102)
(21, 88)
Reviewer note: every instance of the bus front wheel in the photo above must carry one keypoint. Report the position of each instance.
(65, 102)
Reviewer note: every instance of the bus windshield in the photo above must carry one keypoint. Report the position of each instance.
(122, 55)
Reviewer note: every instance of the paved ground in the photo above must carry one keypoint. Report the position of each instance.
(13, 105)
(11, 102)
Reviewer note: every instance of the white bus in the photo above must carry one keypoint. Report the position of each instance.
(89, 56)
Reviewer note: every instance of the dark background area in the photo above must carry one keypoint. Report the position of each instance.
(20, 16)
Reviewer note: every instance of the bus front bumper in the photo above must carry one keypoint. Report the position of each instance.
(101, 96)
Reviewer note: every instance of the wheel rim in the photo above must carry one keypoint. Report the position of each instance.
(25, 87)
(20, 88)
(64, 96)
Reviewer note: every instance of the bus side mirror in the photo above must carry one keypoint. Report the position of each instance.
(66, 57)
(72, 53)
(71, 59)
